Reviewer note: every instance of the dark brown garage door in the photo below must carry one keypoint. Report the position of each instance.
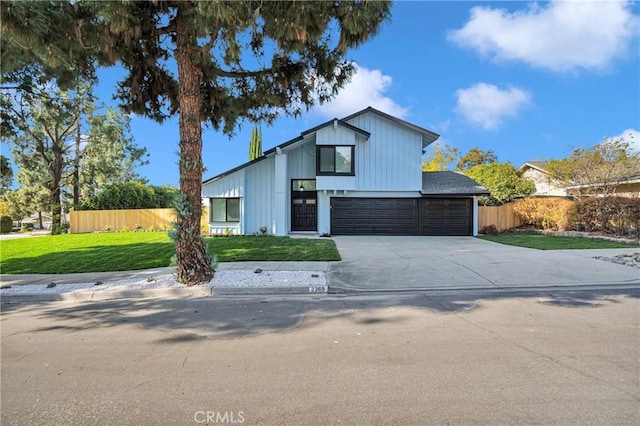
(374, 216)
(446, 216)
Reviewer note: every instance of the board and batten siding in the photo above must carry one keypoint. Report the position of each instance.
(301, 161)
(391, 159)
(335, 135)
(259, 198)
(229, 186)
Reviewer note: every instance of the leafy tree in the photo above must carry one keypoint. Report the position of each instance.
(255, 145)
(233, 60)
(53, 152)
(597, 170)
(5, 208)
(6, 174)
(474, 157)
(108, 155)
(439, 158)
(131, 195)
(24, 201)
(45, 123)
(503, 181)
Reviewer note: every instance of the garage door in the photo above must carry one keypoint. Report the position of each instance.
(446, 216)
(374, 216)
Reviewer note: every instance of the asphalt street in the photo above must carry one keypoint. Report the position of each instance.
(440, 357)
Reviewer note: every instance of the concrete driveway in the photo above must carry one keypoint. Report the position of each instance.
(371, 263)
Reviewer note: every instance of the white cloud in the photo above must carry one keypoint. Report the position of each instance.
(366, 88)
(560, 36)
(632, 136)
(486, 105)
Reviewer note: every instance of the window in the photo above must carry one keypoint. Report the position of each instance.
(225, 209)
(303, 184)
(334, 160)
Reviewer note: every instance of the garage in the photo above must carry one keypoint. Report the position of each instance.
(446, 216)
(402, 216)
(374, 216)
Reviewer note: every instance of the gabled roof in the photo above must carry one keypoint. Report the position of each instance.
(270, 152)
(427, 135)
(334, 122)
(538, 165)
(450, 183)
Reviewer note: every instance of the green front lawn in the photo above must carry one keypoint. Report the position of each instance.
(550, 242)
(123, 251)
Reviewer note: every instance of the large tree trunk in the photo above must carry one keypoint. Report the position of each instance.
(194, 265)
(76, 169)
(54, 187)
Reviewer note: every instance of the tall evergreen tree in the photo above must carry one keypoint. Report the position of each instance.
(55, 150)
(255, 145)
(210, 61)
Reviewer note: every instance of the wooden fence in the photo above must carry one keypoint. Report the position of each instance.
(124, 220)
(502, 217)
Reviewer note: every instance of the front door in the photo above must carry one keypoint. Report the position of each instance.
(303, 205)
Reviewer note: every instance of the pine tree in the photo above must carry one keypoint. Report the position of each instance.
(252, 60)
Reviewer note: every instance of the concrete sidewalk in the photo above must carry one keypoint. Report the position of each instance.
(162, 290)
(26, 279)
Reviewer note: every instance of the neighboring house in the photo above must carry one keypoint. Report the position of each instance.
(360, 175)
(545, 185)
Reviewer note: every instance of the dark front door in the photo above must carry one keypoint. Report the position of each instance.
(304, 211)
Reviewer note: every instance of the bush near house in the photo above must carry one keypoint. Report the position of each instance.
(545, 213)
(618, 216)
(6, 224)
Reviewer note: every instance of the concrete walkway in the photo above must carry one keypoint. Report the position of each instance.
(25, 279)
(372, 263)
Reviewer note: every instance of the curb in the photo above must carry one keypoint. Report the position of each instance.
(345, 290)
(166, 293)
(108, 295)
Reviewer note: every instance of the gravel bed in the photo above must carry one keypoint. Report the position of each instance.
(632, 260)
(222, 279)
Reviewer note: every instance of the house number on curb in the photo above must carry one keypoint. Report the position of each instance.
(318, 289)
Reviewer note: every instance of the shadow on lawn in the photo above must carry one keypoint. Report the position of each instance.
(219, 318)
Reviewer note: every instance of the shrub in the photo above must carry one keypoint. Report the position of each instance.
(545, 213)
(131, 195)
(489, 230)
(6, 224)
(614, 215)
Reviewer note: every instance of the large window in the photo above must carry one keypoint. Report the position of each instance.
(334, 160)
(224, 209)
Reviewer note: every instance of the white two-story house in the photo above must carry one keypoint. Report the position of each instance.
(360, 175)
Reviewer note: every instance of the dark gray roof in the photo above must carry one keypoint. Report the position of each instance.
(450, 183)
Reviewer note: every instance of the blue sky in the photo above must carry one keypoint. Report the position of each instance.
(529, 81)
